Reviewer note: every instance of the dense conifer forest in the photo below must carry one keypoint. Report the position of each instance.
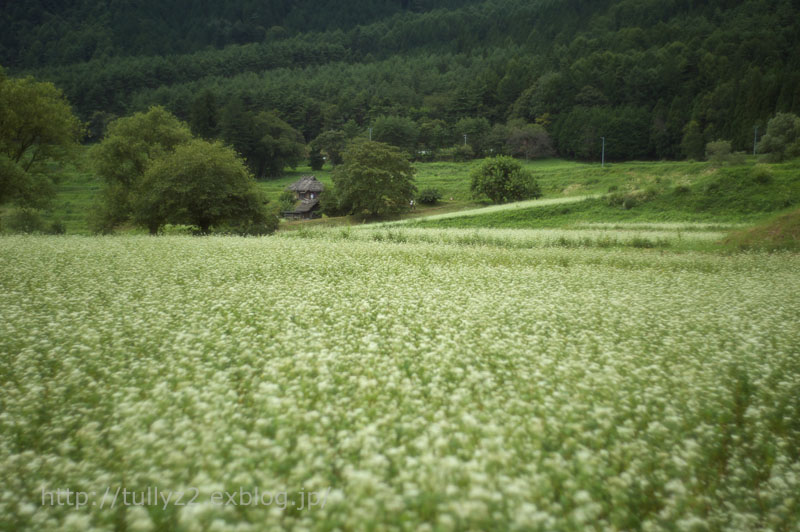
(658, 79)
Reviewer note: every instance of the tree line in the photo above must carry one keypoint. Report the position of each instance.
(651, 77)
(157, 171)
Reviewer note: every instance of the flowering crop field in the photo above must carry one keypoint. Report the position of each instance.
(405, 383)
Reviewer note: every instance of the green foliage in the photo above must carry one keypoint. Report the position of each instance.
(24, 220)
(477, 131)
(782, 140)
(267, 143)
(693, 142)
(718, 152)
(204, 116)
(502, 179)
(315, 159)
(397, 131)
(375, 179)
(36, 126)
(530, 141)
(132, 143)
(777, 234)
(286, 200)
(124, 155)
(332, 143)
(600, 69)
(202, 184)
(459, 153)
(429, 196)
(329, 203)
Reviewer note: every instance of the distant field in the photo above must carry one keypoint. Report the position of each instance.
(476, 380)
(678, 192)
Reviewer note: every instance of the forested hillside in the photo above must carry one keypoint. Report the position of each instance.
(656, 78)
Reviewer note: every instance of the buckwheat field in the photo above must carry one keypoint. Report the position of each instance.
(434, 382)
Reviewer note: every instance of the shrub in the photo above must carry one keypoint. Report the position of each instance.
(502, 179)
(762, 175)
(782, 140)
(286, 200)
(459, 153)
(429, 196)
(57, 228)
(718, 152)
(25, 221)
(631, 199)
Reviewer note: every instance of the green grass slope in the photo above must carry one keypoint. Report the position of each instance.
(649, 192)
(780, 233)
(573, 193)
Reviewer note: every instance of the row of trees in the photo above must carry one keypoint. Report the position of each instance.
(39, 32)
(156, 172)
(375, 179)
(269, 143)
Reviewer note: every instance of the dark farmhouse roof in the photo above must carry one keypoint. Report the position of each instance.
(307, 183)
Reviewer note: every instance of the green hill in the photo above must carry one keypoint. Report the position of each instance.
(657, 79)
(648, 192)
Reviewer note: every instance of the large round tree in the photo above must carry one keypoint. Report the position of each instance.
(36, 126)
(374, 179)
(503, 179)
(203, 184)
(129, 148)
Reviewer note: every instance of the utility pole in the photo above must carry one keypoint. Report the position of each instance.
(465, 140)
(755, 136)
(370, 133)
(603, 160)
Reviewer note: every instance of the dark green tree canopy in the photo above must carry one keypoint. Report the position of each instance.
(130, 146)
(646, 69)
(332, 143)
(203, 184)
(267, 143)
(132, 143)
(502, 179)
(374, 179)
(36, 125)
(396, 130)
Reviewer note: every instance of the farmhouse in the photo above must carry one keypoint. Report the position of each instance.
(307, 190)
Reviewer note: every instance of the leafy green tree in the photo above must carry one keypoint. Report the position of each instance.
(693, 143)
(502, 179)
(204, 184)
(374, 179)
(267, 143)
(36, 125)
(315, 159)
(280, 145)
(782, 140)
(397, 131)
(121, 159)
(477, 131)
(332, 143)
(433, 134)
(530, 141)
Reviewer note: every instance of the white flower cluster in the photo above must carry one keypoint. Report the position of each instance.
(430, 386)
